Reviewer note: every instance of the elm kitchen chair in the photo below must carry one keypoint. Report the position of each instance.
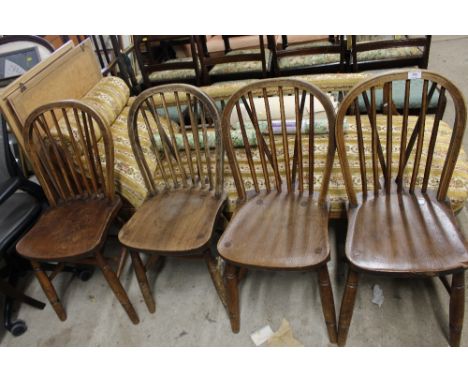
(181, 214)
(281, 222)
(400, 223)
(72, 156)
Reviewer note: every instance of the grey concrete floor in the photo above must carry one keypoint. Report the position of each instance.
(188, 313)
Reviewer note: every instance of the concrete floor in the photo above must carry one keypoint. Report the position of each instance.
(414, 312)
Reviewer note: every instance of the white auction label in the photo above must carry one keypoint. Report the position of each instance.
(414, 75)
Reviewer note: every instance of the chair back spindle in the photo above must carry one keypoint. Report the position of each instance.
(269, 132)
(175, 134)
(414, 138)
(71, 151)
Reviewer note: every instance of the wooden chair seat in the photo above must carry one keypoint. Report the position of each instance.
(405, 233)
(277, 231)
(177, 222)
(69, 231)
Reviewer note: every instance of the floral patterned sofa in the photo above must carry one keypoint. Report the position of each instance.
(110, 93)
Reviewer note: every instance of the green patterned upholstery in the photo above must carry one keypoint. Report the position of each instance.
(307, 60)
(242, 66)
(173, 74)
(389, 53)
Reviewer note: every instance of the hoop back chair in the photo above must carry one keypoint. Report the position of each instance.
(175, 135)
(72, 155)
(281, 221)
(399, 219)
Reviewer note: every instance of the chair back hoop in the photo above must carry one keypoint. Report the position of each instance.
(412, 143)
(71, 150)
(175, 133)
(253, 106)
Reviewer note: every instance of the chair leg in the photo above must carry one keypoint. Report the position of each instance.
(216, 277)
(49, 290)
(117, 288)
(328, 305)
(143, 281)
(347, 306)
(457, 307)
(232, 296)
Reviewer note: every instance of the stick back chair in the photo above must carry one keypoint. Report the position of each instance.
(281, 222)
(400, 222)
(175, 135)
(73, 158)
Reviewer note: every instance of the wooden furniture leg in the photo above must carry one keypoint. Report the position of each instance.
(143, 281)
(216, 277)
(122, 261)
(347, 306)
(457, 307)
(49, 290)
(232, 294)
(328, 305)
(117, 288)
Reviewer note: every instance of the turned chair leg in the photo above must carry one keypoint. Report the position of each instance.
(143, 281)
(232, 296)
(457, 307)
(216, 277)
(117, 288)
(328, 305)
(347, 306)
(49, 290)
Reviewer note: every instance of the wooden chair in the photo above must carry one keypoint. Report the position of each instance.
(235, 64)
(391, 53)
(281, 222)
(72, 156)
(400, 223)
(311, 57)
(181, 215)
(158, 63)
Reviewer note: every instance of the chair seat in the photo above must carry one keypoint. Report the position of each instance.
(173, 222)
(307, 60)
(277, 231)
(173, 74)
(406, 233)
(242, 66)
(68, 231)
(16, 213)
(390, 53)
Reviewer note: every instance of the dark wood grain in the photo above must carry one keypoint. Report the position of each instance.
(77, 176)
(280, 223)
(180, 218)
(407, 227)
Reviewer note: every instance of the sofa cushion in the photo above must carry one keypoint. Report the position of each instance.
(130, 183)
